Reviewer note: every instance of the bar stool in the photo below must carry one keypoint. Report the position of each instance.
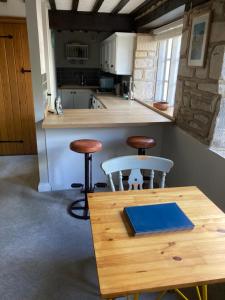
(87, 147)
(141, 143)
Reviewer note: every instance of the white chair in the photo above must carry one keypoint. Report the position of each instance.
(136, 164)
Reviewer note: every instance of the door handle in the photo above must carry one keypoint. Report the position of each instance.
(9, 36)
(25, 71)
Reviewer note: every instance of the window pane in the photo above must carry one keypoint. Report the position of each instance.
(165, 90)
(169, 48)
(167, 70)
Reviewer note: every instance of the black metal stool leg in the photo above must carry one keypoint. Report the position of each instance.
(141, 151)
(74, 206)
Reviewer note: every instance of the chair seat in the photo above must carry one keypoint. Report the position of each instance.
(86, 146)
(141, 142)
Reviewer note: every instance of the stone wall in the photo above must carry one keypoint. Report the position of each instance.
(197, 94)
(145, 67)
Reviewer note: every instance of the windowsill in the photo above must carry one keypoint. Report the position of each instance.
(169, 113)
(218, 151)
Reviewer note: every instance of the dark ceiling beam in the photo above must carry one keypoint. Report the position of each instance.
(166, 8)
(100, 22)
(75, 5)
(52, 4)
(3, 0)
(159, 12)
(143, 7)
(98, 4)
(119, 6)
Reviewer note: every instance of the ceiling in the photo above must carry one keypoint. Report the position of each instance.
(105, 6)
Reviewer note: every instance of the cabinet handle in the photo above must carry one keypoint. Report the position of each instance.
(112, 66)
(25, 71)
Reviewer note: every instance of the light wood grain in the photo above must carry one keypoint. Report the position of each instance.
(16, 100)
(118, 112)
(128, 265)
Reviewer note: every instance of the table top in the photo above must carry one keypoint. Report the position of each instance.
(128, 264)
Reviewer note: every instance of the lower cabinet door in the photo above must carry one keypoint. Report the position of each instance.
(68, 98)
(82, 99)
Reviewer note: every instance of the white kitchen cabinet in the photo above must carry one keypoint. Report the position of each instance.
(75, 98)
(83, 99)
(67, 98)
(117, 53)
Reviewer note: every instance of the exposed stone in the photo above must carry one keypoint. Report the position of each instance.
(192, 84)
(217, 32)
(202, 118)
(141, 54)
(185, 43)
(216, 62)
(186, 100)
(144, 90)
(144, 62)
(138, 74)
(149, 75)
(204, 103)
(208, 87)
(184, 70)
(198, 128)
(202, 73)
(145, 42)
(218, 7)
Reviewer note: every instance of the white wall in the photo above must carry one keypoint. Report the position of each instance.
(195, 164)
(13, 8)
(35, 21)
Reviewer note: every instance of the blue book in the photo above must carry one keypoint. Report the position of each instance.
(157, 218)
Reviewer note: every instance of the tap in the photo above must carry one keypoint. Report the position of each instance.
(82, 79)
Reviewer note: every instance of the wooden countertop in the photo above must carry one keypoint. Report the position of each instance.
(118, 112)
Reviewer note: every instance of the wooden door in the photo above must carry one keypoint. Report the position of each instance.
(17, 124)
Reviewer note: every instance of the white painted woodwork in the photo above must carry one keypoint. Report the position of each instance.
(108, 5)
(63, 4)
(75, 98)
(86, 5)
(130, 6)
(117, 53)
(137, 164)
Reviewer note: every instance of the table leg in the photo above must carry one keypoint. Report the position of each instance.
(204, 292)
(198, 293)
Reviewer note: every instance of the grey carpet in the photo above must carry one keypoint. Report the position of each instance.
(44, 253)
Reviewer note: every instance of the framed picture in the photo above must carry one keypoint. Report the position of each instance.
(199, 40)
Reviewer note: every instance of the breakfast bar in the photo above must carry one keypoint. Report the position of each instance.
(111, 124)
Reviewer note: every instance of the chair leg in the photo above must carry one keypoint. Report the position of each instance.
(204, 292)
(181, 294)
(198, 293)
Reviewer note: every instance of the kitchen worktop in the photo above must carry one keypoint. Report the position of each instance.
(118, 112)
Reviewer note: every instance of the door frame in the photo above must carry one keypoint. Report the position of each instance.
(15, 20)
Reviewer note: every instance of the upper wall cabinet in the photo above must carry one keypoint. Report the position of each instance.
(117, 53)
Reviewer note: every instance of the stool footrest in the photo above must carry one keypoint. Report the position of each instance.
(74, 207)
(76, 185)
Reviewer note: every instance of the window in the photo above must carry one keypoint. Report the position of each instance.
(168, 61)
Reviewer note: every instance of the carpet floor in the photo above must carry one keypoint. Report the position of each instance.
(44, 253)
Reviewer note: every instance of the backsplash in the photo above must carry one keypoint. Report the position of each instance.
(74, 75)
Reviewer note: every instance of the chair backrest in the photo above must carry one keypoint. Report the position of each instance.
(136, 163)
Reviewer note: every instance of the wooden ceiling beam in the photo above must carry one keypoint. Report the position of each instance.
(52, 4)
(98, 4)
(119, 6)
(100, 22)
(75, 5)
(166, 8)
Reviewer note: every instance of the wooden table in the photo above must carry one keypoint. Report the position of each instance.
(128, 265)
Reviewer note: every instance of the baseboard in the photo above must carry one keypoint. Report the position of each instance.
(44, 187)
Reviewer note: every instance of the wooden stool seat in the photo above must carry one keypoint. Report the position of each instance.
(141, 142)
(86, 146)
